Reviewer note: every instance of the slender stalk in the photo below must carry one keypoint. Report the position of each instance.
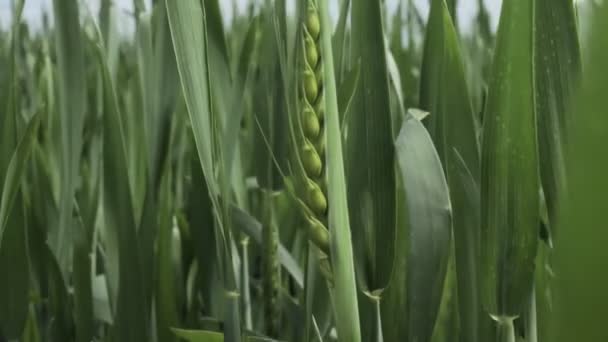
(379, 336)
(272, 275)
(506, 329)
(246, 293)
(531, 322)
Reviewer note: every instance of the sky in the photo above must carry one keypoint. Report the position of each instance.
(34, 8)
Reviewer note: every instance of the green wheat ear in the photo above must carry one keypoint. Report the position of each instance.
(309, 134)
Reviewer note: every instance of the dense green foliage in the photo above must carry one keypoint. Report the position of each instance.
(292, 176)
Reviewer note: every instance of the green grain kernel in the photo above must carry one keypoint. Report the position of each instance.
(310, 122)
(316, 199)
(318, 233)
(312, 54)
(311, 87)
(311, 160)
(312, 22)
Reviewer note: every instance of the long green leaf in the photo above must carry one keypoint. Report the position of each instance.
(345, 290)
(557, 66)
(444, 93)
(130, 313)
(188, 25)
(509, 180)
(371, 189)
(72, 106)
(159, 88)
(430, 219)
(187, 30)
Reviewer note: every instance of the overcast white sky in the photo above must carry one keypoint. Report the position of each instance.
(34, 8)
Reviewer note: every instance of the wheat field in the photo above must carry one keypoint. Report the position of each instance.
(296, 175)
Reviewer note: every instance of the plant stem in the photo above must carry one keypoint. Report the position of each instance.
(379, 336)
(245, 284)
(506, 329)
(531, 322)
(272, 280)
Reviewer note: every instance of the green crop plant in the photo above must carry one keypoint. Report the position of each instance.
(303, 170)
(308, 134)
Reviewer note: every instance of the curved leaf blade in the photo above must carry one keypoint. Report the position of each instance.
(429, 221)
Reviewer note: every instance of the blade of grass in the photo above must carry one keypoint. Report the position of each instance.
(371, 189)
(557, 65)
(509, 179)
(159, 89)
(190, 51)
(345, 290)
(429, 215)
(340, 41)
(72, 97)
(131, 322)
(444, 93)
(188, 24)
